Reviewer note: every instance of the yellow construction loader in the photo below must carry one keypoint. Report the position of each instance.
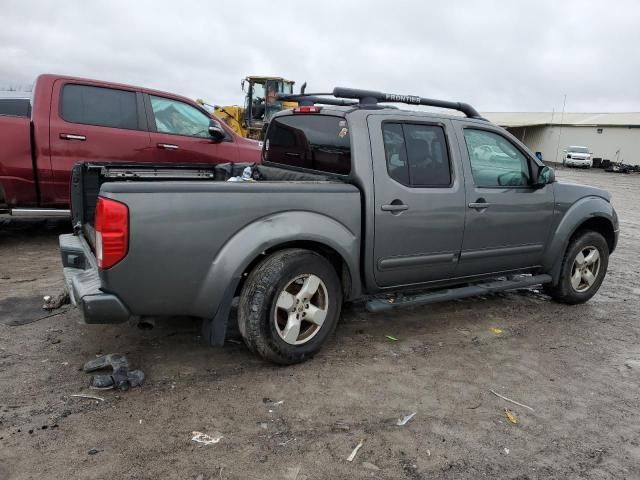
(260, 103)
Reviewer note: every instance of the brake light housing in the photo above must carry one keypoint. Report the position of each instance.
(307, 109)
(112, 232)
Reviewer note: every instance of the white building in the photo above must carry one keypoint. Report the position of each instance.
(612, 136)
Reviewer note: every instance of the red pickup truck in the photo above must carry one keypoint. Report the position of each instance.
(74, 119)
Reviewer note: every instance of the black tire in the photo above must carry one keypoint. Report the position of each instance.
(256, 310)
(564, 291)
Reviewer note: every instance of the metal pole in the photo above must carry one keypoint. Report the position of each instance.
(561, 122)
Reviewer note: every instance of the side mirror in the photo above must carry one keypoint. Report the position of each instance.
(216, 131)
(546, 175)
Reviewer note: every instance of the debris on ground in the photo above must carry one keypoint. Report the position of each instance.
(512, 401)
(355, 451)
(205, 439)
(121, 378)
(93, 451)
(511, 416)
(496, 330)
(293, 473)
(392, 338)
(88, 397)
(404, 420)
(506, 450)
(247, 176)
(341, 426)
(370, 466)
(55, 302)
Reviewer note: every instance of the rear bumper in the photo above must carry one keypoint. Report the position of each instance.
(83, 283)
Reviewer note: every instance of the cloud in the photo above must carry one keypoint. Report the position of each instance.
(496, 55)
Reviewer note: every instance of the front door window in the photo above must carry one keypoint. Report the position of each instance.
(495, 162)
(178, 118)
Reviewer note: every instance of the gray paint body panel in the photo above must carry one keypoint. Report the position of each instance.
(189, 240)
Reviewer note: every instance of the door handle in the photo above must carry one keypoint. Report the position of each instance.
(168, 146)
(72, 136)
(479, 205)
(394, 207)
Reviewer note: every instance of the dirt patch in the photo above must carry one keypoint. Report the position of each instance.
(15, 311)
(578, 367)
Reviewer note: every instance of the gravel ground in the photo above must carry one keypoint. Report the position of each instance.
(577, 367)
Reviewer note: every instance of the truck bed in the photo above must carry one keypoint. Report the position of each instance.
(196, 225)
(88, 178)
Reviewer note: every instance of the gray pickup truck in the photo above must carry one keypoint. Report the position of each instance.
(355, 199)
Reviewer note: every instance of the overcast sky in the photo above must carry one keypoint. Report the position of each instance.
(498, 56)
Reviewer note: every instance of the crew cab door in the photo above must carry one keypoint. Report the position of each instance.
(508, 220)
(419, 200)
(180, 133)
(94, 123)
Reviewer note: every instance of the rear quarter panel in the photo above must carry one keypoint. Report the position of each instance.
(17, 179)
(189, 241)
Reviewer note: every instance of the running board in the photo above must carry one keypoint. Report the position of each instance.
(40, 212)
(520, 281)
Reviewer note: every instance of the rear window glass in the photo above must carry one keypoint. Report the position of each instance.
(16, 107)
(316, 142)
(106, 107)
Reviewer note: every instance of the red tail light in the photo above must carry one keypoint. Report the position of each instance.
(307, 109)
(112, 232)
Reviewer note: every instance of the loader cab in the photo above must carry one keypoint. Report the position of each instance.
(261, 102)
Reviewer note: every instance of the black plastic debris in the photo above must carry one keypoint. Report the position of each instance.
(122, 378)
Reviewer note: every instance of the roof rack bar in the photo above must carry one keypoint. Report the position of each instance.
(371, 97)
(314, 98)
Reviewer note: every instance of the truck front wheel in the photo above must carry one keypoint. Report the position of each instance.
(583, 269)
(289, 306)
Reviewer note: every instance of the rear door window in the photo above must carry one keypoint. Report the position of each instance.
(104, 107)
(314, 142)
(416, 154)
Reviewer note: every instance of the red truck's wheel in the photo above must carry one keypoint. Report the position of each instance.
(583, 269)
(289, 305)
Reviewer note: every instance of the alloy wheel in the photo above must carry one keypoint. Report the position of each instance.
(301, 309)
(585, 269)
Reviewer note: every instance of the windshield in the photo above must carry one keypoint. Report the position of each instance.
(578, 149)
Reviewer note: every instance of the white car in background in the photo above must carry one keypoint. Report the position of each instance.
(578, 157)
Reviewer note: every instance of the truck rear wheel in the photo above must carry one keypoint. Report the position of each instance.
(289, 306)
(584, 267)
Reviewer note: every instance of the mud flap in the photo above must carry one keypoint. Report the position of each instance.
(214, 329)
